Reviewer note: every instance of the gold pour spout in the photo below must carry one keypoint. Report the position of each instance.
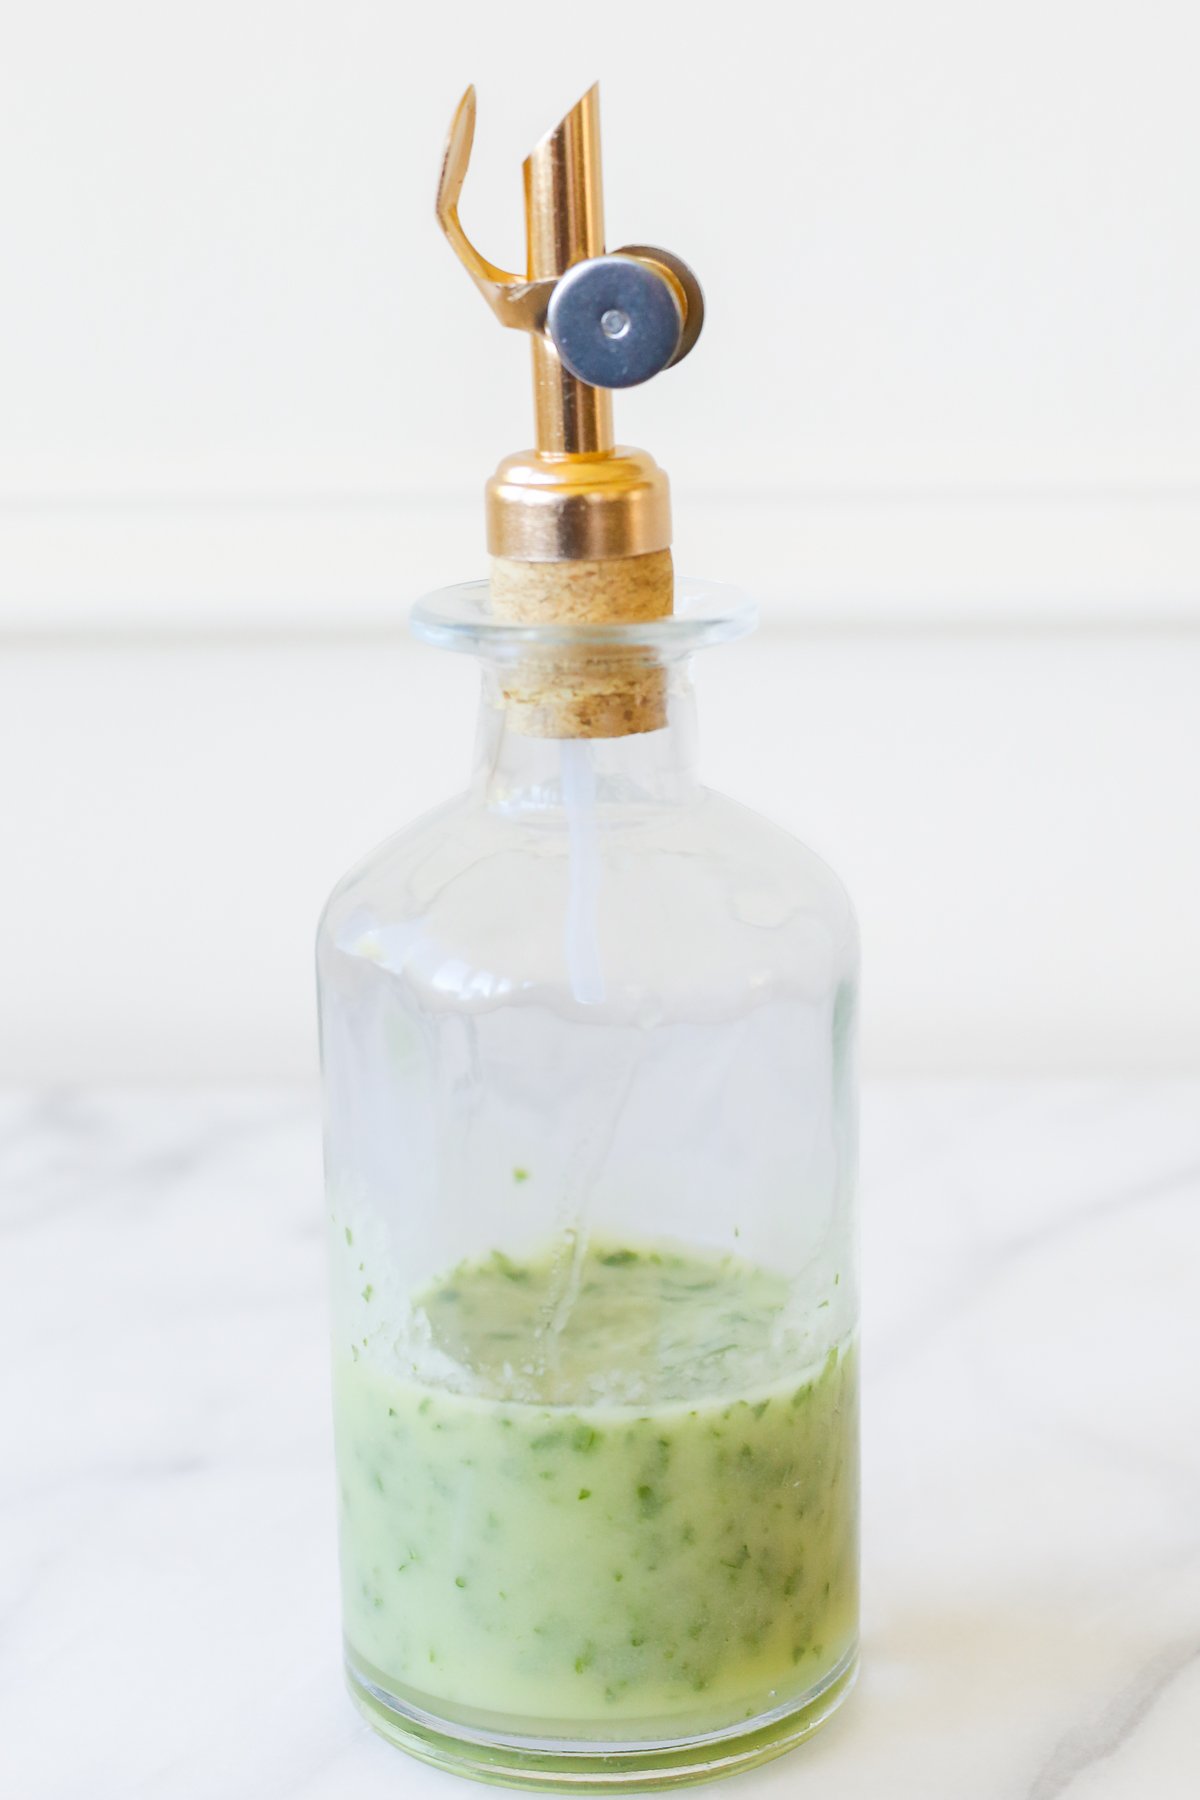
(578, 529)
(612, 322)
(564, 225)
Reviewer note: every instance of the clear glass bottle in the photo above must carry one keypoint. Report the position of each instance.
(588, 1054)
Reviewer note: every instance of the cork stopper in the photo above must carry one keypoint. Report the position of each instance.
(586, 691)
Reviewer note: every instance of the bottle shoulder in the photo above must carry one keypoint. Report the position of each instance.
(446, 843)
(383, 870)
(755, 842)
(704, 884)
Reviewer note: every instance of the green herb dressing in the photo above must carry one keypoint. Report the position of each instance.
(631, 1493)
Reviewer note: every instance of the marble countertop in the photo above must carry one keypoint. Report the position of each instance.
(1032, 1454)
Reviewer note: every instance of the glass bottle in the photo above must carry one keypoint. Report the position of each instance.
(588, 1057)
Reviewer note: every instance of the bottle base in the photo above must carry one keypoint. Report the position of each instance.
(594, 1767)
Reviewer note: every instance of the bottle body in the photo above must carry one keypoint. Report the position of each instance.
(588, 1053)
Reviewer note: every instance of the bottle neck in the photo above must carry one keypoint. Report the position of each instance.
(518, 773)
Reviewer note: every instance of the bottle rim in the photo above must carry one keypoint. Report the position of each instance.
(705, 613)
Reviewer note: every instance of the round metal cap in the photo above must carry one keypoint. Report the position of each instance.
(614, 321)
(578, 508)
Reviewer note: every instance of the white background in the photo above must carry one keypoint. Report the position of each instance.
(944, 420)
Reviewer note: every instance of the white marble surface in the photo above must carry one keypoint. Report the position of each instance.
(1032, 1455)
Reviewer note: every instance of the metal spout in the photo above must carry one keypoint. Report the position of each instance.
(596, 322)
(564, 224)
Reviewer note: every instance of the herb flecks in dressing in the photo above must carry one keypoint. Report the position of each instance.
(648, 1511)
